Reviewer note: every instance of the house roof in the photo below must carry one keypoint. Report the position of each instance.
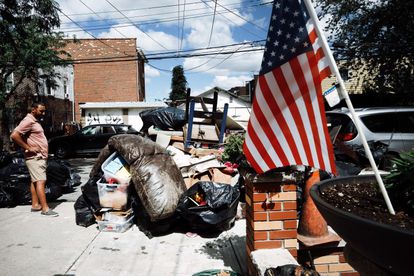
(92, 105)
(221, 90)
(102, 48)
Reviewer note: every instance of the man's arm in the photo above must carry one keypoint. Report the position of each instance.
(18, 139)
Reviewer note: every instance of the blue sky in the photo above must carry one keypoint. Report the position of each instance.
(175, 26)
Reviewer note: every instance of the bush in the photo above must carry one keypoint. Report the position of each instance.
(400, 182)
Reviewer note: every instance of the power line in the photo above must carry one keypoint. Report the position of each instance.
(101, 17)
(100, 40)
(168, 6)
(200, 50)
(182, 28)
(135, 24)
(212, 23)
(165, 20)
(126, 59)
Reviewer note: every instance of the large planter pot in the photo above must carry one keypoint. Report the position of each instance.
(387, 246)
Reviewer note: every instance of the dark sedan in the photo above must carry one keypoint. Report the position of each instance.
(89, 140)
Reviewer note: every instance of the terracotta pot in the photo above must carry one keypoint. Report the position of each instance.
(387, 246)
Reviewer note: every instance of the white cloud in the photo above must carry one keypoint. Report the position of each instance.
(151, 72)
(227, 82)
(225, 64)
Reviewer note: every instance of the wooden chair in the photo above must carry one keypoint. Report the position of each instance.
(198, 119)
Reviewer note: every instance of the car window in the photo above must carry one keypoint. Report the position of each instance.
(405, 122)
(381, 123)
(335, 120)
(90, 130)
(121, 129)
(108, 130)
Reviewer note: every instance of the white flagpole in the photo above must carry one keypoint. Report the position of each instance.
(345, 95)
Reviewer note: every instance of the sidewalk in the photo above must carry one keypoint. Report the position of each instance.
(35, 245)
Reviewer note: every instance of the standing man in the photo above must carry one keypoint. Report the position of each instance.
(30, 136)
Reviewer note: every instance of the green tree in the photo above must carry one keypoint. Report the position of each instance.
(29, 48)
(178, 84)
(377, 36)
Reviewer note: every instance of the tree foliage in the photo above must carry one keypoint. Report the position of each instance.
(376, 36)
(178, 84)
(28, 42)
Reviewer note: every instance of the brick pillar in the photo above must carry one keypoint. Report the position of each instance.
(271, 214)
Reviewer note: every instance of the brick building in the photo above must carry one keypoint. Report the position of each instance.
(106, 70)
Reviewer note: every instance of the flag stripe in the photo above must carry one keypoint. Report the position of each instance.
(327, 149)
(290, 99)
(288, 125)
(312, 130)
(259, 145)
(285, 119)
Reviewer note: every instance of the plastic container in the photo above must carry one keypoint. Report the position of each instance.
(115, 226)
(112, 195)
(116, 168)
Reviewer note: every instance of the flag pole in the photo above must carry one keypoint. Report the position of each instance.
(345, 95)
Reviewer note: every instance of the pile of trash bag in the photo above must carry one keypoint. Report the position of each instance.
(157, 192)
(15, 179)
(164, 118)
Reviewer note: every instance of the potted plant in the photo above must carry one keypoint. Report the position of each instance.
(354, 207)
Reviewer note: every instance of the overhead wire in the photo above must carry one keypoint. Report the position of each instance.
(164, 20)
(182, 28)
(98, 39)
(135, 24)
(100, 17)
(168, 6)
(239, 16)
(212, 23)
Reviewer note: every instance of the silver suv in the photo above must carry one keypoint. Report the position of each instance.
(393, 126)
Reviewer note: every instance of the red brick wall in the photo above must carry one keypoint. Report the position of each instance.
(102, 81)
(105, 82)
(271, 222)
(270, 215)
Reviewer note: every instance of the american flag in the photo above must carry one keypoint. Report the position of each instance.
(287, 124)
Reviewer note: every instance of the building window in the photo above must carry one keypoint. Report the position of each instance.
(65, 88)
(9, 83)
(49, 89)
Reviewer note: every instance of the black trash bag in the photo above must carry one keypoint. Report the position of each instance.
(5, 158)
(164, 118)
(6, 198)
(19, 186)
(53, 191)
(87, 203)
(219, 211)
(290, 270)
(144, 223)
(58, 174)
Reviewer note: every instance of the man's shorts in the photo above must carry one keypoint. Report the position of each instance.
(37, 169)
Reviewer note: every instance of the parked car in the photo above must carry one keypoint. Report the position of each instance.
(89, 140)
(393, 126)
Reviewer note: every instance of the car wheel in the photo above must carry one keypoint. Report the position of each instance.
(62, 151)
(386, 163)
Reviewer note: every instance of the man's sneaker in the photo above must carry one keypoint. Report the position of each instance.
(50, 213)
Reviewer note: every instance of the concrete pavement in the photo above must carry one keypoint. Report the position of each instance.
(35, 245)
